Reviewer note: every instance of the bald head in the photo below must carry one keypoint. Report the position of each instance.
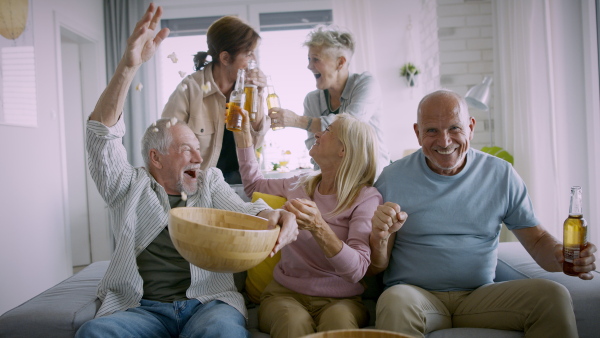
(444, 130)
(443, 97)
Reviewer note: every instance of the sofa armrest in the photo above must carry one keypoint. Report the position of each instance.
(514, 262)
(59, 311)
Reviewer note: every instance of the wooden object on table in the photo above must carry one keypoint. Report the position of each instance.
(221, 240)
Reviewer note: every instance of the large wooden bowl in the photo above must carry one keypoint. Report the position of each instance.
(363, 333)
(221, 240)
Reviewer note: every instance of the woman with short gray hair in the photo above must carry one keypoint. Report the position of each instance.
(330, 51)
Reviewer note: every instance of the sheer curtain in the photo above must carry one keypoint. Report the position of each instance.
(140, 108)
(538, 79)
(355, 15)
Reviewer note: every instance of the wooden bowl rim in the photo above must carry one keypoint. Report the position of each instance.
(172, 214)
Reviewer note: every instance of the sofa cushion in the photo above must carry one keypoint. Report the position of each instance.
(59, 311)
(261, 275)
(515, 263)
(467, 332)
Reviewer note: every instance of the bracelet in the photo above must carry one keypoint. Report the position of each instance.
(309, 123)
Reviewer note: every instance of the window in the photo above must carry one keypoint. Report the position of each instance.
(18, 105)
(281, 55)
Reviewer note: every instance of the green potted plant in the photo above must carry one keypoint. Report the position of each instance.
(409, 71)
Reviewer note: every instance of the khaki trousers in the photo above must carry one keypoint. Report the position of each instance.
(285, 313)
(539, 307)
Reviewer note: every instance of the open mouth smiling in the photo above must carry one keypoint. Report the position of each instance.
(445, 151)
(191, 173)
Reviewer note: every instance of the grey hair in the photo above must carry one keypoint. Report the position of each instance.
(159, 137)
(332, 37)
(462, 103)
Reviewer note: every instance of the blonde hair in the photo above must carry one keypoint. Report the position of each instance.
(333, 39)
(358, 167)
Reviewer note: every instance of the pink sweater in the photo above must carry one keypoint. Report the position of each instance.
(303, 267)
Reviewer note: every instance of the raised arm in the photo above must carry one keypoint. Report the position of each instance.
(141, 46)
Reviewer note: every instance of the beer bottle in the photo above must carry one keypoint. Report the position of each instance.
(272, 98)
(233, 121)
(574, 232)
(251, 91)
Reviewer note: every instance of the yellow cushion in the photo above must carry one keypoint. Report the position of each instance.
(261, 275)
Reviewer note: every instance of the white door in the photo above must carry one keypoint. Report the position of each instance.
(75, 150)
(82, 79)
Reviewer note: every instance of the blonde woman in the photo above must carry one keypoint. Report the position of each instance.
(316, 283)
(338, 91)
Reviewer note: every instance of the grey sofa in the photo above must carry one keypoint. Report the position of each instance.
(62, 309)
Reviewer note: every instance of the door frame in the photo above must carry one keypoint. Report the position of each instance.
(93, 80)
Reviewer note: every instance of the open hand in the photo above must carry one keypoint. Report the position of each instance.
(142, 43)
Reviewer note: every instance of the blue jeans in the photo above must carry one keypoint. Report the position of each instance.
(187, 318)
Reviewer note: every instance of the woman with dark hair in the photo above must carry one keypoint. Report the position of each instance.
(201, 97)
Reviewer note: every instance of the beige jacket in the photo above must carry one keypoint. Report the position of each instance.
(205, 114)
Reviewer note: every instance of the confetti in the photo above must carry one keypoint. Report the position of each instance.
(173, 121)
(139, 87)
(154, 124)
(183, 86)
(183, 196)
(173, 57)
(155, 130)
(182, 73)
(168, 125)
(206, 87)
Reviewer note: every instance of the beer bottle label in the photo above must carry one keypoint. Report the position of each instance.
(571, 254)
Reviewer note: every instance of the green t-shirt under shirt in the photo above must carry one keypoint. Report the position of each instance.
(165, 273)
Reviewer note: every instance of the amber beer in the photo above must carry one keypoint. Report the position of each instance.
(251, 92)
(233, 120)
(234, 117)
(574, 232)
(251, 105)
(272, 99)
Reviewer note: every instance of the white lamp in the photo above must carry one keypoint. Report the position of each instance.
(479, 97)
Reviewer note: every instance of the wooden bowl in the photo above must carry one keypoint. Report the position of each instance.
(221, 240)
(363, 333)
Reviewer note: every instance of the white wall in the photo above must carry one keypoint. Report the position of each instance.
(34, 247)
(393, 49)
(466, 54)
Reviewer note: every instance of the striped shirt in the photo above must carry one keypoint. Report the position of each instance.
(138, 208)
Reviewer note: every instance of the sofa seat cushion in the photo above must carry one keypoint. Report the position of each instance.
(515, 263)
(467, 332)
(59, 311)
(261, 275)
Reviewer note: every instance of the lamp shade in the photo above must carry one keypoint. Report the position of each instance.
(479, 96)
(13, 17)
